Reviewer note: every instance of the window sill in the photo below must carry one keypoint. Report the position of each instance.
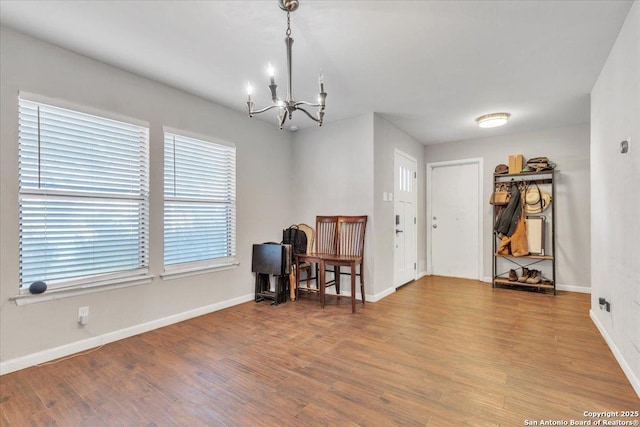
(186, 271)
(89, 288)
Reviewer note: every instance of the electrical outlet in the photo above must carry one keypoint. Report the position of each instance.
(604, 304)
(83, 315)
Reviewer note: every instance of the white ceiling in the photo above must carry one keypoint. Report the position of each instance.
(430, 67)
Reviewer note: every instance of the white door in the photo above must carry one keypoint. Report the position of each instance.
(454, 219)
(406, 242)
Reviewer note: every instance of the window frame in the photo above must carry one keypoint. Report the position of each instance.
(184, 269)
(119, 278)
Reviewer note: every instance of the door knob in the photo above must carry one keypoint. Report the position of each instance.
(435, 225)
(398, 231)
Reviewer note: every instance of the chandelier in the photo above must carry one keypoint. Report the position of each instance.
(288, 105)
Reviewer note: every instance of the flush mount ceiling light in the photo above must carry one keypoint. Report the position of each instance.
(288, 105)
(493, 120)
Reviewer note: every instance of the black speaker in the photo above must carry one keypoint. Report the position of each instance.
(38, 287)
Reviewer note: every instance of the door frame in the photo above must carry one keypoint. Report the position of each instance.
(429, 223)
(414, 238)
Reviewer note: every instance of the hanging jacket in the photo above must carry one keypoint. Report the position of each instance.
(508, 218)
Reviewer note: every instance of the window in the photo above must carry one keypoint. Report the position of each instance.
(83, 195)
(199, 202)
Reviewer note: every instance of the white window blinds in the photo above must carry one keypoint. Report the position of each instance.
(200, 200)
(83, 183)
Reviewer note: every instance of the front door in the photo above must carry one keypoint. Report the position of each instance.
(405, 228)
(454, 219)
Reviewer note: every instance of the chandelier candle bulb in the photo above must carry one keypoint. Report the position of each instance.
(249, 102)
(271, 73)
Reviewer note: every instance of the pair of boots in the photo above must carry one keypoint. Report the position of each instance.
(528, 276)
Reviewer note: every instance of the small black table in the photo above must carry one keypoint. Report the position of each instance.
(271, 259)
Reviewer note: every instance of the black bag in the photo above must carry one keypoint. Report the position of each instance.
(509, 216)
(296, 238)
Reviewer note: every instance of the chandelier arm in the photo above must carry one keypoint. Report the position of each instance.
(309, 114)
(262, 110)
(282, 117)
(306, 103)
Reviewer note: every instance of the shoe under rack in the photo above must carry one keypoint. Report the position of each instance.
(527, 277)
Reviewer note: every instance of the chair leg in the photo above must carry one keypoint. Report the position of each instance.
(316, 277)
(307, 279)
(362, 284)
(297, 290)
(317, 265)
(353, 288)
(322, 284)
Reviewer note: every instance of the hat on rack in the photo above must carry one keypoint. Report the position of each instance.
(539, 164)
(501, 169)
(536, 200)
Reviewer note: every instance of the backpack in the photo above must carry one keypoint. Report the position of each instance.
(296, 238)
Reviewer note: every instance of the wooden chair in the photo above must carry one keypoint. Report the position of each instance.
(339, 242)
(324, 242)
(350, 250)
(305, 267)
(326, 239)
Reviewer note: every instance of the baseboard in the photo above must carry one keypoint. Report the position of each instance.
(421, 275)
(573, 288)
(89, 343)
(370, 298)
(383, 294)
(559, 287)
(635, 381)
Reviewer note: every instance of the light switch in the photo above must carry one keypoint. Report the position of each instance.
(385, 196)
(391, 197)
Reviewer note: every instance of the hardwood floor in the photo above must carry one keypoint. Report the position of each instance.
(439, 352)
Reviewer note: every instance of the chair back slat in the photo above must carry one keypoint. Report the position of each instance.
(351, 230)
(326, 234)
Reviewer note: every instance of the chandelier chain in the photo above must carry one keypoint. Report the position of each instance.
(288, 25)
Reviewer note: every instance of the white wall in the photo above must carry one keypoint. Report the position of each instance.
(344, 168)
(388, 137)
(569, 149)
(263, 204)
(615, 202)
(333, 175)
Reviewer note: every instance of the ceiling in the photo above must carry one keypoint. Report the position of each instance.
(429, 67)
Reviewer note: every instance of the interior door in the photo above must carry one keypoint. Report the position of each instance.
(405, 228)
(454, 222)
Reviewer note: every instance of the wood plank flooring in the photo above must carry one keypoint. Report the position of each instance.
(439, 352)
